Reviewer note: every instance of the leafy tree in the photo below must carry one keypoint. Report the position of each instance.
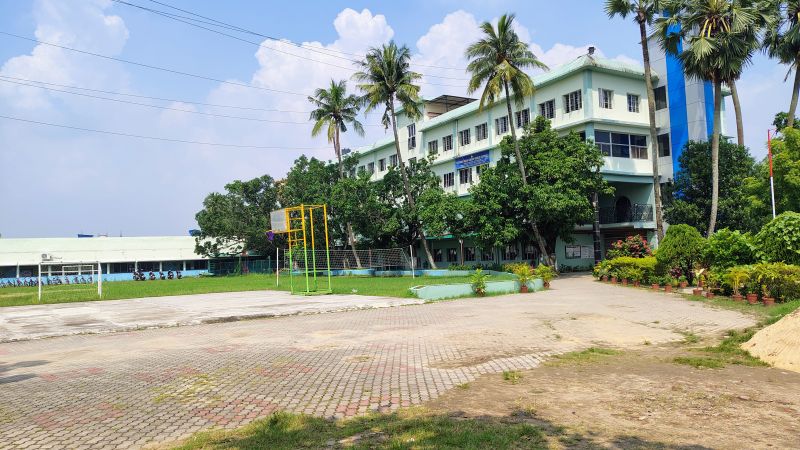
(682, 248)
(782, 121)
(564, 172)
(713, 41)
(385, 75)
(643, 13)
(335, 110)
(356, 198)
(688, 199)
(497, 61)
(444, 213)
(236, 221)
(633, 247)
(782, 41)
(727, 248)
(779, 240)
(786, 164)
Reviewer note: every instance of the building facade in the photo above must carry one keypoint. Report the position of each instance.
(602, 100)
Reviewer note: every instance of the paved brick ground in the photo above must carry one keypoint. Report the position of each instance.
(127, 390)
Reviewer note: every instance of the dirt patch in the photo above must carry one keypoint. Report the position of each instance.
(641, 399)
(477, 356)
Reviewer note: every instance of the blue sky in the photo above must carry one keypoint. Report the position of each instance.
(59, 182)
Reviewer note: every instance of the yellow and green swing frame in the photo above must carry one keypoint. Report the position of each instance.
(300, 231)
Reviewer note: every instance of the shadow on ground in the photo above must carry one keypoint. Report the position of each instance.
(5, 367)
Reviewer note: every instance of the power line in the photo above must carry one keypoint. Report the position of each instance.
(258, 44)
(155, 138)
(166, 107)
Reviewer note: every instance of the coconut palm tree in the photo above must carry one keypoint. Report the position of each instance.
(643, 12)
(385, 76)
(496, 62)
(710, 38)
(782, 41)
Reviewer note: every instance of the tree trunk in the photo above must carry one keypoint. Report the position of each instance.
(407, 187)
(795, 93)
(350, 235)
(712, 222)
(521, 164)
(737, 109)
(651, 110)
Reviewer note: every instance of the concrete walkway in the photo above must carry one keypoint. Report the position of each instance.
(39, 321)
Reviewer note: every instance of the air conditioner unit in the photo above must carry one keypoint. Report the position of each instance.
(47, 257)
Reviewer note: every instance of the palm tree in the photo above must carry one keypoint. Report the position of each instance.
(714, 34)
(643, 13)
(385, 76)
(334, 111)
(496, 62)
(782, 41)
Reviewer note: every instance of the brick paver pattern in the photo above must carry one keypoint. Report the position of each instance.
(127, 390)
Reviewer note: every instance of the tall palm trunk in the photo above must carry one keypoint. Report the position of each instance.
(737, 110)
(350, 235)
(518, 154)
(407, 187)
(651, 111)
(795, 93)
(712, 223)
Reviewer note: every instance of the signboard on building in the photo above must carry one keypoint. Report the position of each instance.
(473, 160)
(579, 252)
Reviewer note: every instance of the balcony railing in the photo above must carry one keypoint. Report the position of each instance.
(636, 213)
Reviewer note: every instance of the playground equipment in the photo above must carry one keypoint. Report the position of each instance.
(297, 223)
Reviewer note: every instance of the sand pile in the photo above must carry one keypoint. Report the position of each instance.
(779, 343)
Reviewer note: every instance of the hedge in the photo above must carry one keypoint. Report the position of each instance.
(777, 280)
(645, 270)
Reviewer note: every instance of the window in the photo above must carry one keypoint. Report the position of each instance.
(392, 160)
(448, 179)
(638, 146)
(452, 255)
(487, 255)
(547, 109)
(620, 145)
(412, 162)
(447, 143)
(382, 164)
(479, 169)
(606, 99)
(603, 141)
(352, 172)
(531, 252)
(465, 176)
(663, 145)
(523, 118)
(510, 253)
(573, 101)
(501, 125)
(480, 132)
(371, 168)
(412, 136)
(197, 265)
(582, 135)
(661, 97)
(433, 147)
(437, 255)
(360, 169)
(469, 253)
(633, 103)
(463, 137)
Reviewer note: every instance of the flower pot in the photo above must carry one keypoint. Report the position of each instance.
(614, 280)
(605, 278)
(752, 298)
(768, 301)
(546, 285)
(655, 286)
(699, 283)
(523, 288)
(480, 292)
(709, 294)
(737, 297)
(624, 281)
(668, 288)
(697, 291)
(684, 284)
(635, 284)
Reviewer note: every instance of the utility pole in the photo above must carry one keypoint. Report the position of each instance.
(771, 177)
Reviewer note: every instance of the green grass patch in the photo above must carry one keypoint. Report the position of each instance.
(700, 362)
(726, 352)
(512, 376)
(381, 286)
(589, 355)
(413, 428)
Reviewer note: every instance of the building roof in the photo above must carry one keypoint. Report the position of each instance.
(102, 249)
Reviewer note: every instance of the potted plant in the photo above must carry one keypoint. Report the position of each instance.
(637, 275)
(546, 273)
(625, 274)
(736, 278)
(699, 275)
(478, 281)
(683, 281)
(655, 283)
(752, 288)
(524, 274)
(668, 280)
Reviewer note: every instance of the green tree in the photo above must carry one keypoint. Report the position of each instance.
(643, 13)
(712, 39)
(236, 221)
(564, 172)
(444, 213)
(782, 41)
(683, 247)
(727, 248)
(782, 121)
(779, 240)
(688, 199)
(497, 62)
(786, 163)
(334, 111)
(357, 199)
(385, 76)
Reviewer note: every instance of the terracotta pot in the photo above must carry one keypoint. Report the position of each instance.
(710, 294)
(605, 278)
(684, 284)
(668, 288)
(624, 281)
(480, 293)
(523, 288)
(614, 280)
(699, 283)
(635, 284)
(752, 298)
(737, 297)
(547, 285)
(768, 301)
(697, 291)
(655, 286)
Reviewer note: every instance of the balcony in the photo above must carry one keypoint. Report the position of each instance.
(626, 214)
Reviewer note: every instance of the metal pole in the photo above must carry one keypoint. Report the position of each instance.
(411, 249)
(305, 245)
(327, 246)
(313, 247)
(771, 177)
(277, 266)
(40, 282)
(100, 279)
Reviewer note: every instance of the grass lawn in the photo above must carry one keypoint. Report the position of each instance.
(410, 428)
(382, 286)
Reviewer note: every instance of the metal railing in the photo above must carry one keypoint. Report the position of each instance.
(636, 213)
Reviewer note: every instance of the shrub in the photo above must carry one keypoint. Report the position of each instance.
(728, 248)
(459, 267)
(524, 273)
(778, 280)
(779, 240)
(682, 248)
(511, 267)
(643, 269)
(633, 246)
(478, 281)
(546, 273)
(736, 278)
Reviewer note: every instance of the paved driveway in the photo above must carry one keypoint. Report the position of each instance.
(126, 390)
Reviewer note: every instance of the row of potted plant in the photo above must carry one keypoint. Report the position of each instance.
(524, 272)
(635, 278)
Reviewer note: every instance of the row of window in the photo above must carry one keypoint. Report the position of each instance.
(624, 145)
(510, 253)
(464, 176)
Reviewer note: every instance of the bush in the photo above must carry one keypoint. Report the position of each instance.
(633, 246)
(778, 280)
(546, 273)
(779, 240)
(524, 273)
(728, 248)
(478, 281)
(512, 267)
(634, 269)
(682, 248)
